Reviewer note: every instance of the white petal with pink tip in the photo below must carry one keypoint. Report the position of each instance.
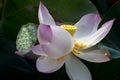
(100, 34)
(44, 15)
(97, 56)
(87, 25)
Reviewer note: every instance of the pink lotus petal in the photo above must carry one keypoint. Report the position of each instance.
(48, 65)
(44, 15)
(38, 50)
(61, 44)
(45, 34)
(76, 70)
(97, 56)
(87, 25)
(100, 34)
(23, 52)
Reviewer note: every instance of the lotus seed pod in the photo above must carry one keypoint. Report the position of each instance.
(27, 36)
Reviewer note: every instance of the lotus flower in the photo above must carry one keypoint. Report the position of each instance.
(64, 44)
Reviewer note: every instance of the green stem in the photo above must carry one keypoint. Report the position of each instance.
(3, 9)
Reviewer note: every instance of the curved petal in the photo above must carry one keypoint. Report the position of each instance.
(44, 15)
(38, 50)
(76, 70)
(97, 56)
(87, 25)
(48, 65)
(61, 44)
(100, 34)
(23, 52)
(45, 34)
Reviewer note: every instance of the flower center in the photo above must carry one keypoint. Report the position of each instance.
(70, 28)
(78, 46)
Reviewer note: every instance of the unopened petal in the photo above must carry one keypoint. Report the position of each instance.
(97, 56)
(38, 50)
(45, 34)
(76, 70)
(100, 34)
(48, 65)
(87, 25)
(44, 15)
(61, 44)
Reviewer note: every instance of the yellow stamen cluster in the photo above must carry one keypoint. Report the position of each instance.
(78, 47)
(70, 28)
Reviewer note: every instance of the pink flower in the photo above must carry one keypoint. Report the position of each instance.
(59, 44)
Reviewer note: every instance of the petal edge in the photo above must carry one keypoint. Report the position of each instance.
(76, 70)
(44, 15)
(48, 65)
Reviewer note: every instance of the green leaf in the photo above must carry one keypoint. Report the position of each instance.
(114, 52)
(106, 71)
(18, 13)
(102, 5)
(113, 12)
(13, 6)
(68, 10)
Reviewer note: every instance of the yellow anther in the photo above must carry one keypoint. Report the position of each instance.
(70, 28)
(78, 46)
(76, 51)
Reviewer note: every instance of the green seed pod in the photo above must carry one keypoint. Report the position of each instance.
(27, 36)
